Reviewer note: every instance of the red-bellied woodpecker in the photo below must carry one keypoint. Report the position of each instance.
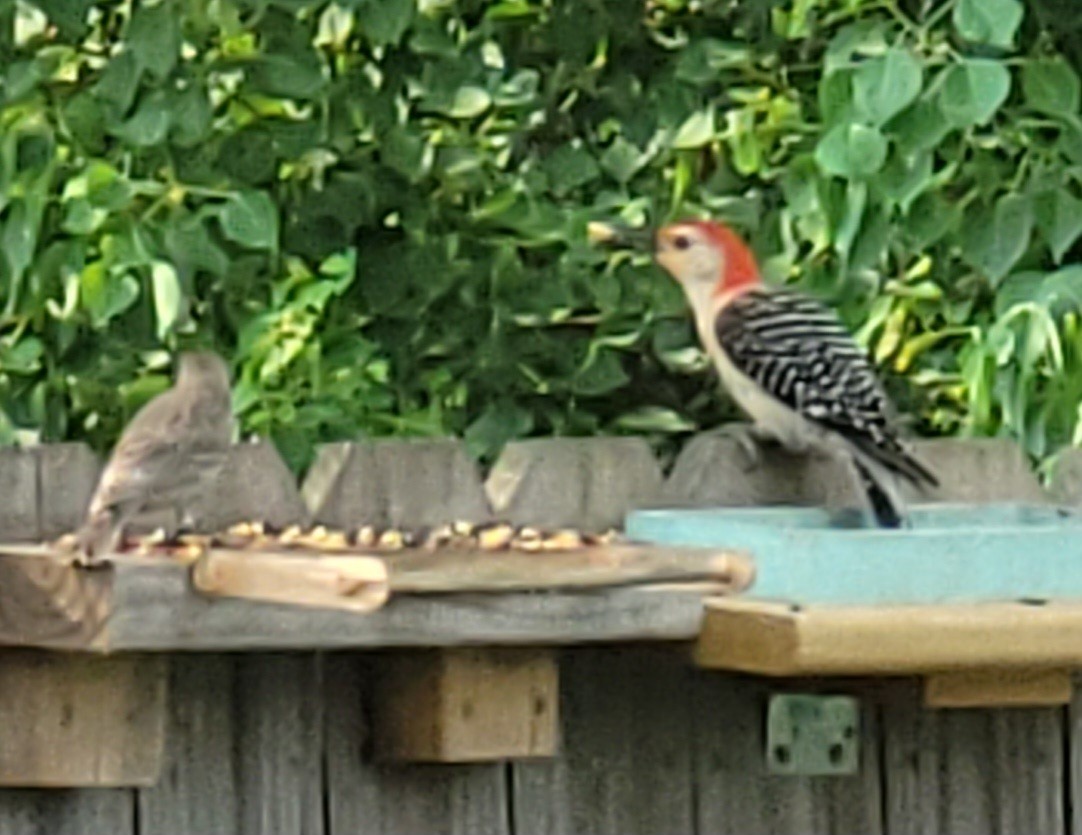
(166, 457)
(785, 358)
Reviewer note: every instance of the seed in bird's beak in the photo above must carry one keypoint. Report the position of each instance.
(618, 235)
(600, 233)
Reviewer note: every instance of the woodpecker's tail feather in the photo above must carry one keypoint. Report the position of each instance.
(882, 486)
(885, 503)
(897, 458)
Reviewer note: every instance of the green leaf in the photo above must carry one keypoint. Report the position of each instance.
(921, 127)
(105, 295)
(886, 85)
(992, 22)
(190, 246)
(930, 219)
(403, 151)
(602, 373)
(1059, 220)
(81, 217)
(995, 241)
(154, 37)
(295, 76)
(119, 81)
(856, 199)
(973, 90)
(469, 102)
(835, 95)
(192, 116)
(851, 151)
(148, 125)
(384, 22)
(24, 357)
(250, 218)
(623, 160)
(655, 419)
(570, 167)
(168, 298)
(498, 424)
(18, 239)
(905, 177)
(1051, 86)
(696, 130)
(1059, 291)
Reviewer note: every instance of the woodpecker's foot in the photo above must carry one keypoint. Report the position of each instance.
(751, 440)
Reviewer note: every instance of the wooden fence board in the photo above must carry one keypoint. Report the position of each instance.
(737, 795)
(279, 716)
(365, 798)
(972, 771)
(197, 793)
(71, 812)
(625, 765)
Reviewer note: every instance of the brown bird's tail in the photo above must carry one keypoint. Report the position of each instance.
(99, 535)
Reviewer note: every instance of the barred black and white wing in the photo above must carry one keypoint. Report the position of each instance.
(797, 350)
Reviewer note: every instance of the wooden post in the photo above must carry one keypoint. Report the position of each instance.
(467, 705)
(1020, 687)
(81, 721)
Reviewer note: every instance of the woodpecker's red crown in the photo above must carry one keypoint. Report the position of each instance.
(705, 250)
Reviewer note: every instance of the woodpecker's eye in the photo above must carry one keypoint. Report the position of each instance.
(681, 242)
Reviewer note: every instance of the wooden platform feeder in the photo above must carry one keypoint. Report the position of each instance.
(983, 602)
(471, 680)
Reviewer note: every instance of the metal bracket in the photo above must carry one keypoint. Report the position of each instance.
(812, 735)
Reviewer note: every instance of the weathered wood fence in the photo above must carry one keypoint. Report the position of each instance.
(266, 743)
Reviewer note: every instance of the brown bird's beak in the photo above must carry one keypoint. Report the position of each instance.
(618, 236)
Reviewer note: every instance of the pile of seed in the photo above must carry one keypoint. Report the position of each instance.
(488, 536)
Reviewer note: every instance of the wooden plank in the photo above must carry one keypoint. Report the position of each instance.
(317, 578)
(737, 795)
(72, 812)
(972, 770)
(351, 584)
(601, 567)
(998, 688)
(255, 484)
(585, 483)
(467, 705)
(951, 554)
(197, 793)
(74, 721)
(153, 610)
(394, 481)
(68, 474)
(19, 512)
(1073, 731)
(779, 639)
(279, 739)
(46, 603)
(712, 470)
(626, 763)
(369, 798)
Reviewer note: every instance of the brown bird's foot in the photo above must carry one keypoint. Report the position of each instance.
(90, 562)
(750, 439)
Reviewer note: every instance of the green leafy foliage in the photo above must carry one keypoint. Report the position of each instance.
(376, 208)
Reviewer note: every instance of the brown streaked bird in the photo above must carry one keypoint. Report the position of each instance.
(167, 456)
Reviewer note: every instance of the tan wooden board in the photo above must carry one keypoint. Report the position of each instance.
(780, 639)
(467, 705)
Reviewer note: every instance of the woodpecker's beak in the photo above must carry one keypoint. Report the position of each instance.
(620, 237)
